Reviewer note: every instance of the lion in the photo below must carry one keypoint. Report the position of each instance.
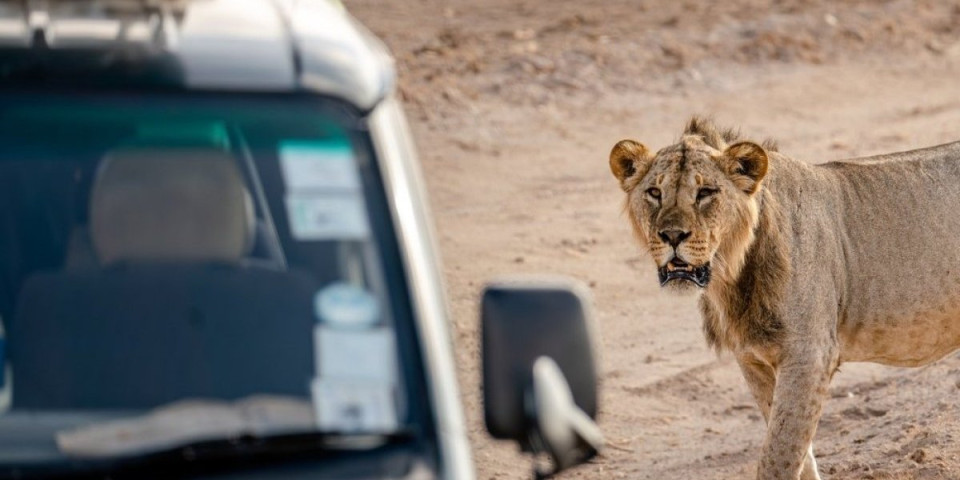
(799, 267)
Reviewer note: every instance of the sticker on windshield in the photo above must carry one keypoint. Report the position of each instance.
(346, 306)
(355, 354)
(354, 406)
(318, 165)
(327, 216)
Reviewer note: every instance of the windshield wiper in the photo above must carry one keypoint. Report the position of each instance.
(213, 456)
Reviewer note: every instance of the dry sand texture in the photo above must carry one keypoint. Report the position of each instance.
(515, 105)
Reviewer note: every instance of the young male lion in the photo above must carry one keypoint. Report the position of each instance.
(802, 267)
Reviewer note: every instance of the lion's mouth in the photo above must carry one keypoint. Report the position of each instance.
(677, 269)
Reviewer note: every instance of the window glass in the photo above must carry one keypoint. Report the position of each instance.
(218, 265)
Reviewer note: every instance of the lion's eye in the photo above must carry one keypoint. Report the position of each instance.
(705, 192)
(654, 192)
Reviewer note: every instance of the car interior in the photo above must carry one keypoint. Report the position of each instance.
(151, 260)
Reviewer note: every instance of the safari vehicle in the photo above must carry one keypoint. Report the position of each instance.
(216, 259)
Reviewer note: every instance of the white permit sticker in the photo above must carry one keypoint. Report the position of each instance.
(354, 406)
(327, 216)
(347, 306)
(355, 354)
(318, 165)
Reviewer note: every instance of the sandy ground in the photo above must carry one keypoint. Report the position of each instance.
(515, 105)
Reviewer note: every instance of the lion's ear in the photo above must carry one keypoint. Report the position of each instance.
(746, 164)
(629, 158)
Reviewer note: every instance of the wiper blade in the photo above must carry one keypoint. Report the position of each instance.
(281, 445)
(208, 456)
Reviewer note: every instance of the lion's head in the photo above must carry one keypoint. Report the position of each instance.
(693, 205)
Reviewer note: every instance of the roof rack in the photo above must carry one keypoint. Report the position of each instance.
(152, 21)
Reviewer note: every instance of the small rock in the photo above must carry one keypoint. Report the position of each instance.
(842, 394)
(876, 412)
(540, 64)
(855, 413)
(919, 455)
(935, 46)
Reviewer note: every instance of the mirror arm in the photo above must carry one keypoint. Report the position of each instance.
(557, 426)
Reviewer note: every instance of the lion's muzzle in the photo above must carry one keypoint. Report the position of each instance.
(677, 269)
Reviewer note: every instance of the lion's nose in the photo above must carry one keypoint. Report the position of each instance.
(673, 237)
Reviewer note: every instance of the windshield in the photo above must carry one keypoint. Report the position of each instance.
(180, 269)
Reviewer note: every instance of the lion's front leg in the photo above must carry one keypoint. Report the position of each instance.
(798, 393)
(809, 471)
(761, 379)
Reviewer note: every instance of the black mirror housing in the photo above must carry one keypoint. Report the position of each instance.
(523, 321)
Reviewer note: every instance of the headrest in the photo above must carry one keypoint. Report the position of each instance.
(170, 204)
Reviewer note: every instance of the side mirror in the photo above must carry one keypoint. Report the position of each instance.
(539, 376)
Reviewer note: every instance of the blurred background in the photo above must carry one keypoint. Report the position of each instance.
(515, 106)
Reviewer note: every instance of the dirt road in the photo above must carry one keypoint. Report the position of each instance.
(515, 105)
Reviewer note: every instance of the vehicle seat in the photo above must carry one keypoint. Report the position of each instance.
(172, 311)
(265, 249)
